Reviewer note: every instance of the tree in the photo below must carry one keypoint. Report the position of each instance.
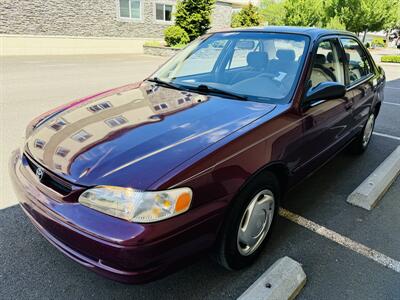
(393, 20)
(334, 23)
(304, 13)
(364, 15)
(194, 16)
(248, 16)
(273, 12)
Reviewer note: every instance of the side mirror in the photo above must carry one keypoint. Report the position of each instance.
(325, 91)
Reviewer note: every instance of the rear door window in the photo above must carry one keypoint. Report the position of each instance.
(358, 65)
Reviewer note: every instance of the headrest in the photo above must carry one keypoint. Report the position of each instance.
(320, 59)
(286, 54)
(329, 57)
(257, 60)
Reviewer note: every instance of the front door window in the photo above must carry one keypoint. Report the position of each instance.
(327, 64)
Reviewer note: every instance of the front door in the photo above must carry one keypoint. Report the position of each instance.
(326, 123)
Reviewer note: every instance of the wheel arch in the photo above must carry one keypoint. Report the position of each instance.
(277, 168)
(377, 107)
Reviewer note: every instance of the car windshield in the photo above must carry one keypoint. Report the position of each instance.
(257, 66)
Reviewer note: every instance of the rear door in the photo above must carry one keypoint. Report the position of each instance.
(360, 80)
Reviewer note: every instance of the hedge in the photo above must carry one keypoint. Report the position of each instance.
(391, 58)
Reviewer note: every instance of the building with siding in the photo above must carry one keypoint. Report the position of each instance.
(91, 27)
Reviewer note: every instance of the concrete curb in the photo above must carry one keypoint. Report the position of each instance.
(368, 193)
(283, 280)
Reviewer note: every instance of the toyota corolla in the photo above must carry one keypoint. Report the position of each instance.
(135, 181)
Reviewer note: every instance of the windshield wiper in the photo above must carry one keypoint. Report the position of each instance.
(209, 89)
(164, 83)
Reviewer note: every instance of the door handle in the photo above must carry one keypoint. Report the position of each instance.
(348, 105)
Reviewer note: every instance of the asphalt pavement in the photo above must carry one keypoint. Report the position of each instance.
(30, 268)
(32, 85)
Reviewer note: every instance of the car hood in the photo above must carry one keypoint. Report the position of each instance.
(134, 135)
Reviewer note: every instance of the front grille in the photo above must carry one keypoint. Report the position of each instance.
(50, 180)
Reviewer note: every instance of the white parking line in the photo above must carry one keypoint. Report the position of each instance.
(342, 240)
(394, 88)
(387, 136)
(391, 103)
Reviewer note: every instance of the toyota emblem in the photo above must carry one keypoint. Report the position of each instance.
(39, 173)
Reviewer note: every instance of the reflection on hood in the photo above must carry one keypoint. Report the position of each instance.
(95, 140)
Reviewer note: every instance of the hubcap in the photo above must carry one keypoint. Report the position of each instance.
(369, 127)
(256, 222)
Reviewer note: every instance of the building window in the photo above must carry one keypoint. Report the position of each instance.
(81, 136)
(163, 12)
(130, 9)
(39, 144)
(99, 107)
(117, 121)
(63, 152)
(58, 124)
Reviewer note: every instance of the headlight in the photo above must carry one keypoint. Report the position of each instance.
(137, 206)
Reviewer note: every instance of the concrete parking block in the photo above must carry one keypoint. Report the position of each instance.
(283, 280)
(368, 193)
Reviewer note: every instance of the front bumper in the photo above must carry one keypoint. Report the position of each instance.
(117, 249)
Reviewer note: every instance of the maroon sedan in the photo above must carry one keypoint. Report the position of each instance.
(134, 181)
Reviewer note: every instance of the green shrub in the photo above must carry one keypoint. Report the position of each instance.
(367, 45)
(391, 58)
(175, 35)
(248, 16)
(378, 42)
(194, 16)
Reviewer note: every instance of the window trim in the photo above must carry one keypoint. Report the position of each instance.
(163, 3)
(130, 19)
(361, 80)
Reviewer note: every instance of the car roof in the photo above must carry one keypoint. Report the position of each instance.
(312, 32)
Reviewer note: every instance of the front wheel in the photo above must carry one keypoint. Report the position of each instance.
(248, 223)
(361, 143)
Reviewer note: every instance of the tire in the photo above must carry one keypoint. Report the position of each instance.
(360, 144)
(231, 252)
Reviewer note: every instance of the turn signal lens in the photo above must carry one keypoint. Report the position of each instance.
(137, 206)
(183, 202)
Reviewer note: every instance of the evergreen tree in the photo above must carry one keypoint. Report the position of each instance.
(194, 16)
(248, 16)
